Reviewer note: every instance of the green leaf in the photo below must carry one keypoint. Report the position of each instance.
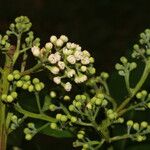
(57, 133)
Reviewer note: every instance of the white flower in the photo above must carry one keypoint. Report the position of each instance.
(70, 73)
(68, 45)
(59, 43)
(61, 65)
(54, 70)
(67, 86)
(86, 53)
(36, 51)
(57, 80)
(80, 79)
(85, 60)
(64, 38)
(57, 55)
(73, 45)
(54, 58)
(49, 45)
(78, 48)
(71, 59)
(66, 51)
(53, 39)
(78, 55)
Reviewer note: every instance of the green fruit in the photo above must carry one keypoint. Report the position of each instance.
(52, 94)
(14, 94)
(28, 137)
(19, 83)
(80, 136)
(71, 108)
(52, 107)
(53, 126)
(130, 123)
(58, 116)
(9, 99)
(63, 118)
(73, 119)
(26, 77)
(31, 88)
(10, 77)
(98, 101)
(4, 97)
(17, 76)
(38, 87)
(35, 80)
(25, 86)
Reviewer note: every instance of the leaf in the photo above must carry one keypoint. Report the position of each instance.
(57, 133)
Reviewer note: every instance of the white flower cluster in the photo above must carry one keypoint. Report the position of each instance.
(65, 60)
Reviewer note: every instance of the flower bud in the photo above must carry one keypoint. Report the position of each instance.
(130, 123)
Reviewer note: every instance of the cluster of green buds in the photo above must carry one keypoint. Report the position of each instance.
(30, 131)
(139, 130)
(142, 50)
(65, 60)
(15, 122)
(4, 42)
(25, 82)
(125, 67)
(22, 24)
(112, 115)
(10, 97)
(144, 98)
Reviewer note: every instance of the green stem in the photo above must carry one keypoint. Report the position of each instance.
(34, 115)
(31, 70)
(137, 87)
(3, 116)
(38, 102)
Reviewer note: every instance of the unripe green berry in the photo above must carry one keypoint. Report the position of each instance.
(139, 95)
(31, 88)
(52, 107)
(31, 125)
(144, 124)
(67, 98)
(14, 94)
(14, 118)
(63, 118)
(104, 75)
(144, 93)
(136, 47)
(35, 80)
(52, 94)
(130, 123)
(139, 138)
(25, 86)
(85, 146)
(83, 97)
(4, 97)
(58, 116)
(26, 77)
(53, 126)
(42, 85)
(15, 72)
(136, 126)
(120, 120)
(10, 77)
(19, 83)
(17, 76)
(9, 99)
(80, 136)
(92, 70)
(71, 107)
(28, 137)
(91, 60)
(78, 97)
(100, 95)
(73, 119)
(111, 116)
(104, 102)
(38, 87)
(123, 60)
(78, 104)
(98, 101)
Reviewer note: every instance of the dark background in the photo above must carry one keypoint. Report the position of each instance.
(107, 28)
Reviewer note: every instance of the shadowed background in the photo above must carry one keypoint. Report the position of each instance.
(107, 28)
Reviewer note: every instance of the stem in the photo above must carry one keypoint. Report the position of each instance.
(38, 102)
(127, 81)
(5, 88)
(137, 88)
(34, 115)
(31, 70)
